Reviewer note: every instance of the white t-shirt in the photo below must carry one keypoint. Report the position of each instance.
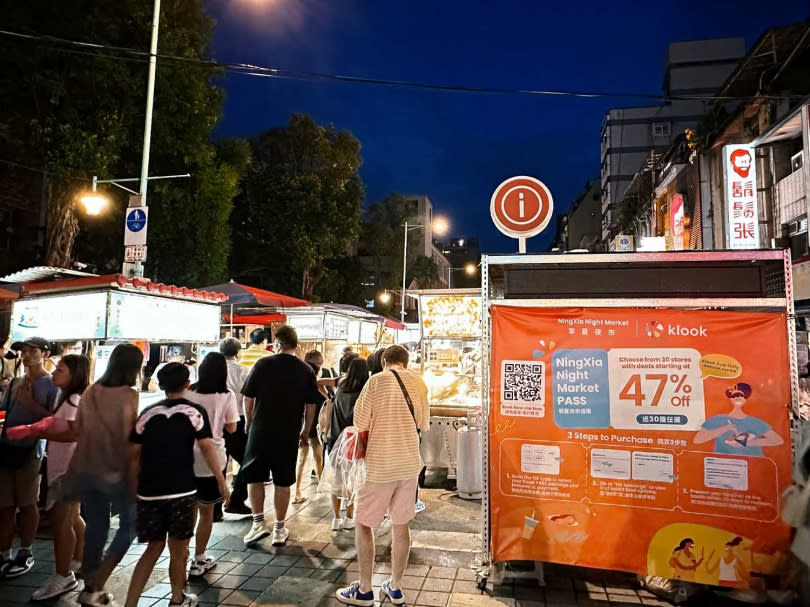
(221, 409)
(59, 454)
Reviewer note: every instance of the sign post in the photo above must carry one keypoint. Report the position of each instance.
(135, 225)
(521, 207)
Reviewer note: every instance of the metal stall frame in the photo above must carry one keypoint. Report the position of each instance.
(490, 296)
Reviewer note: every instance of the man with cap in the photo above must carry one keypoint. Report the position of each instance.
(28, 399)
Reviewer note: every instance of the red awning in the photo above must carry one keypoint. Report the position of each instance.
(255, 319)
(121, 281)
(6, 295)
(393, 324)
(245, 296)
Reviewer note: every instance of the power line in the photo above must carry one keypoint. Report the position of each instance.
(247, 69)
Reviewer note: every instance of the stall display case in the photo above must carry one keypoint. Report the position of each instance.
(450, 359)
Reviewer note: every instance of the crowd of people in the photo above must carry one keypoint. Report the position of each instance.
(162, 470)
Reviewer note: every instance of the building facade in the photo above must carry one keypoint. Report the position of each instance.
(632, 137)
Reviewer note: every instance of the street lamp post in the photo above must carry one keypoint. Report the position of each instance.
(440, 226)
(139, 200)
(94, 202)
(469, 269)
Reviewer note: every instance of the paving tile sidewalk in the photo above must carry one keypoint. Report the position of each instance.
(317, 561)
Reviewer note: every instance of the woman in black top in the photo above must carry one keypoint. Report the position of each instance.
(348, 391)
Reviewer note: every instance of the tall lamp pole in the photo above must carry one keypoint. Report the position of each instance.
(440, 227)
(135, 268)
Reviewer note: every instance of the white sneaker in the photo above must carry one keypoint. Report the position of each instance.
(257, 532)
(280, 536)
(189, 600)
(337, 524)
(100, 598)
(420, 506)
(201, 565)
(54, 586)
(348, 523)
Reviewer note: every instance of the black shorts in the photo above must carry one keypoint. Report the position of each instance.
(270, 459)
(208, 490)
(173, 517)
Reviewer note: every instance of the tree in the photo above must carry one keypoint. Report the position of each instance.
(426, 272)
(300, 207)
(76, 115)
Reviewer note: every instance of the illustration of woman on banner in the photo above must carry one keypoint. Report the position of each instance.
(729, 568)
(684, 562)
(736, 432)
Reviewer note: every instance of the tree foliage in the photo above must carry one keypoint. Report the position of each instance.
(426, 272)
(300, 207)
(76, 115)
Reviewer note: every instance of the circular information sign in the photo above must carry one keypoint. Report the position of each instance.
(521, 207)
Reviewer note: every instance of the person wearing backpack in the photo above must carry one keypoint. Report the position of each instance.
(27, 400)
(392, 409)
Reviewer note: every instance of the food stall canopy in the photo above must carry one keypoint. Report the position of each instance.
(42, 273)
(254, 319)
(6, 295)
(115, 307)
(244, 295)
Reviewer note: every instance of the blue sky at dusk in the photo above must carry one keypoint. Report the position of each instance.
(457, 147)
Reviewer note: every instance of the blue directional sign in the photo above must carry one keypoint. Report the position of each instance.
(136, 220)
(135, 226)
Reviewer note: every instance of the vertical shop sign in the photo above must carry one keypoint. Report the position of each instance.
(740, 178)
(676, 219)
(669, 428)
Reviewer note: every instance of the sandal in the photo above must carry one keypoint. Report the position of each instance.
(299, 500)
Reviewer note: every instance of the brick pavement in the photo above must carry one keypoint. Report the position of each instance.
(317, 561)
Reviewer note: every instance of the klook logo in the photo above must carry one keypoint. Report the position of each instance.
(681, 331)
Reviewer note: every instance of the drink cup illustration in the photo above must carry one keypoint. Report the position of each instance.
(529, 525)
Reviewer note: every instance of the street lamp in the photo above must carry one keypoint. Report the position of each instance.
(384, 297)
(94, 202)
(469, 270)
(440, 226)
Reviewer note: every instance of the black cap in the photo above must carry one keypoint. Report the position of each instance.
(33, 342)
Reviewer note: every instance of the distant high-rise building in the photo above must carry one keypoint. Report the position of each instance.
(633, 136)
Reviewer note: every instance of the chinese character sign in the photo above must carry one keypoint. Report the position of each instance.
(740, 175)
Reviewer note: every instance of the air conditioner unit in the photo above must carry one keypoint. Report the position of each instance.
(796, 161)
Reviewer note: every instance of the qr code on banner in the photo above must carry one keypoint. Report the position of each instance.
(523, 391)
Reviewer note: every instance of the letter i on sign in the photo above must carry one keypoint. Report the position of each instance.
(522, 205)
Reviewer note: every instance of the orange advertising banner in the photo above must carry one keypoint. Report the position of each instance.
(650, 441)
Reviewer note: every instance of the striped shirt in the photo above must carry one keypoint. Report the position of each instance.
(249, 356)
(392, 453)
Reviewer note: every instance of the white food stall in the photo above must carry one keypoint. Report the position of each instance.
(107, 310)
(329, 328)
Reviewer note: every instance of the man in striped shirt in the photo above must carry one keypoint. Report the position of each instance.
(393, 464)
(257, 348)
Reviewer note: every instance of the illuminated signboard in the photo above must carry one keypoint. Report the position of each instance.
(80, 316)
(676, 220)
(451, 316)
(308, 326)
(150, 318)
(368, 333)
(353, 333)
(740, 176)
(336, 327)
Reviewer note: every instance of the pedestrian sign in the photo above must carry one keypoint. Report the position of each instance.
(135, 226)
